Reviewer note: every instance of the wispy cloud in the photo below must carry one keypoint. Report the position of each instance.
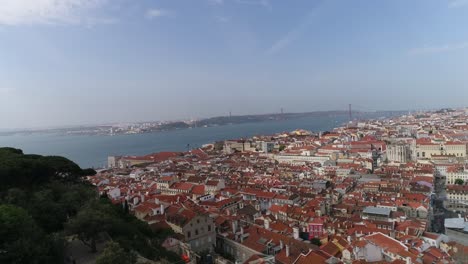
(216, 2)
(292, 35)
(264, 3)
(30, 12)
(158, 12)
(457, 3)
(439, 49)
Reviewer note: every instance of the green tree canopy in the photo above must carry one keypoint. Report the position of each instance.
(43, 199)
(459, 181)
(21, 241)
(89, 223)
(115, 254)
(19, 170)
(316, 241)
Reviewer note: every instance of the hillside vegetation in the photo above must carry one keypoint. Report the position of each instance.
(44, 203)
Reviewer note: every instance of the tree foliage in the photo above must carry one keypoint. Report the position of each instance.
(316, 241)
(21, 240)
(100, 216)
(43, 199)
(115, 254)
(459, 181)
(19, 170)
(90, 222)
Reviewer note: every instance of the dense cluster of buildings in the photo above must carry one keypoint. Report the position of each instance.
(378, 191)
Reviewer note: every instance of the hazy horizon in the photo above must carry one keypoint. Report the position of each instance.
(3, 129)
(77, 62)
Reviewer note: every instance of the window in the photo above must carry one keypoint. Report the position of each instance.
(189, 234)
(209, 228)
(196, 232)
(198, 221)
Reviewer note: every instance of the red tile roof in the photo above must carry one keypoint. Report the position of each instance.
(198, 189)
(182, 186)
(312, 257)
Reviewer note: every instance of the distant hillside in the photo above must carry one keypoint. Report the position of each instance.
(224, 120)
(213, 121)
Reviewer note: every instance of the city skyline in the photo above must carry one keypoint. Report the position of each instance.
(74, 62)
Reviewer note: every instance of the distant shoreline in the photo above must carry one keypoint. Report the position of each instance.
(151, 126)
(93, 150)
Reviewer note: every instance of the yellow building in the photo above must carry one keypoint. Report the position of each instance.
(428, 149)
(455, 148)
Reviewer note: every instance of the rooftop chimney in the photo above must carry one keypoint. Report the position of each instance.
(287, 250)
(234, 226)
(296, 232)
(267, 223)
(242, 235)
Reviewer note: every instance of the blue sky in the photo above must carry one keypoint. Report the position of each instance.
(67, 62)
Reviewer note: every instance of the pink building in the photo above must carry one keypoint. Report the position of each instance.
(316, 228)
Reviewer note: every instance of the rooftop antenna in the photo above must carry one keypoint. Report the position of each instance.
(350, 113)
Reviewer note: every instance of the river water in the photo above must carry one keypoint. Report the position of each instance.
(93, 150)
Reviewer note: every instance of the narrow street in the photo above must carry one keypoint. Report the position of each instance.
(437, 204)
